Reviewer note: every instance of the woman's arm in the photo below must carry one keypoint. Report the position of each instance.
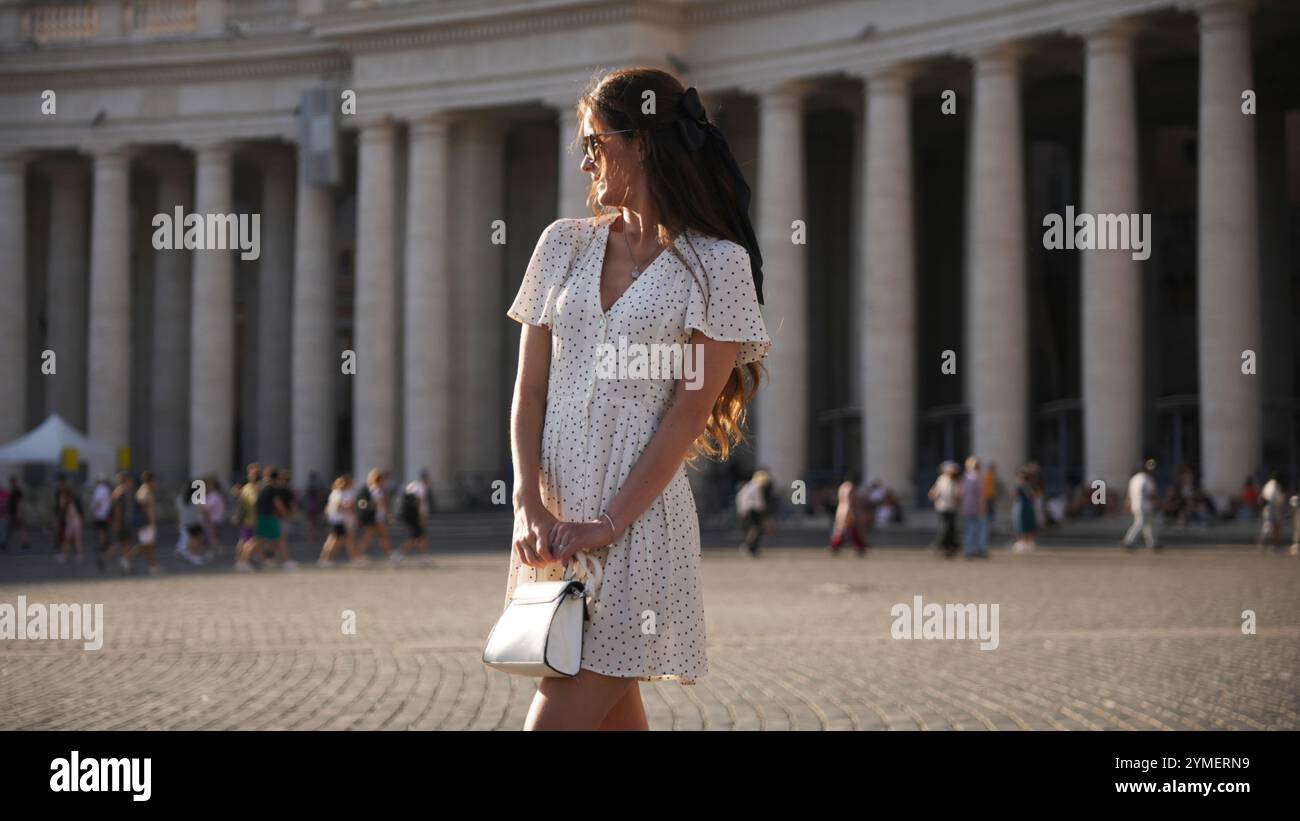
(681, 425)
(527, 414)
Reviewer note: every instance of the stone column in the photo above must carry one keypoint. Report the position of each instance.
(887, 293)
(996, 359)
(171, 329)
(374, 393)
(782, 423)
(13, 284)
(1227, 279)
(477, 265)
(66, 294)
(316, 354)
(109, 337)
(428, 389)
(212, 329)
(275, 304)
(1111, 284)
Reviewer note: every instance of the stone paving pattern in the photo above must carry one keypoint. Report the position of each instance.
(1089, 639)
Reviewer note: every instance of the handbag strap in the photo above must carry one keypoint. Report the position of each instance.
(590, 569)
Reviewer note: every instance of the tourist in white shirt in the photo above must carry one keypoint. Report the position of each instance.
(751, 507)
(340, 512)
(946, 493)
(1142, 495)
(101, 501)
(1272, 500)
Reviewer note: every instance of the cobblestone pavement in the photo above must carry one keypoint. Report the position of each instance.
(1089, 639)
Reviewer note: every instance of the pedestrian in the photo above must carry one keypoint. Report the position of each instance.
(1141, 498)
(1024, 514)
(120, 514)
(15, 512)
(190, 517)
(101, 500)
(372, 517)
(245, 516)
(340, 513)
(752, 508)
(1272, 499)
(69, 511)
(945, 494)
(286, 511)
(849, 517)
(974, 511)
(992, 493)
(675, 264)
(1249, 499)
(1295, 525)
(146, 524)
(414, 513)
(269, 508)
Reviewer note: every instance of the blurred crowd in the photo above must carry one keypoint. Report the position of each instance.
(117, 521)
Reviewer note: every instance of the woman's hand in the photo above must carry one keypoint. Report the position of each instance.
(532, 540)
(567, 538)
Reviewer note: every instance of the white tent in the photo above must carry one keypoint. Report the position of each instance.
(46, 442)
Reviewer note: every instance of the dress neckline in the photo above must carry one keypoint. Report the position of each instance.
(604, 254)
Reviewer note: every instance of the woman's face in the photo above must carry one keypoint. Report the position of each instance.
(616, 170)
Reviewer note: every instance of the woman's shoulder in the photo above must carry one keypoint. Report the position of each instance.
(567, 236)
(717, 255)
(568, 227)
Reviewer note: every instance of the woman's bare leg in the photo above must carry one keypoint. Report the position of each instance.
(363, 544)
(578, 703)
(628, 713)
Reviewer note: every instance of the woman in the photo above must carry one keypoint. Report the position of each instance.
(70, 517)
(849, 517)
(945, 493)
(1024, 513)
(602, 461)
(372, 515)
(339, 513)
(190, 517)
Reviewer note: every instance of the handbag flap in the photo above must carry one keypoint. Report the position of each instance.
(541, 592)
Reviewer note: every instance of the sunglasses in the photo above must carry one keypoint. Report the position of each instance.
(591, 142)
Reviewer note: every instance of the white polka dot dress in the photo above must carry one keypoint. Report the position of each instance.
(647, 621)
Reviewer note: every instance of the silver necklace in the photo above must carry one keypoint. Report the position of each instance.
(636, 267)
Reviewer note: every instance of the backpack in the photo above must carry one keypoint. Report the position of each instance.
(365, 506)
(138, 518)
(409, 509)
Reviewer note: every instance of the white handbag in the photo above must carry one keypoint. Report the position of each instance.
(540, 632)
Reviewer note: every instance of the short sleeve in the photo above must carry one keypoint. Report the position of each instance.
(545, 274)
(726, 307)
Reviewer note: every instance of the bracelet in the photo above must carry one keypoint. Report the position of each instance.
(613, 530)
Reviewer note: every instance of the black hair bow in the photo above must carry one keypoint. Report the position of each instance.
(695, 130)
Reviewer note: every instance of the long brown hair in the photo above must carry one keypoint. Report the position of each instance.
(690, 189)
